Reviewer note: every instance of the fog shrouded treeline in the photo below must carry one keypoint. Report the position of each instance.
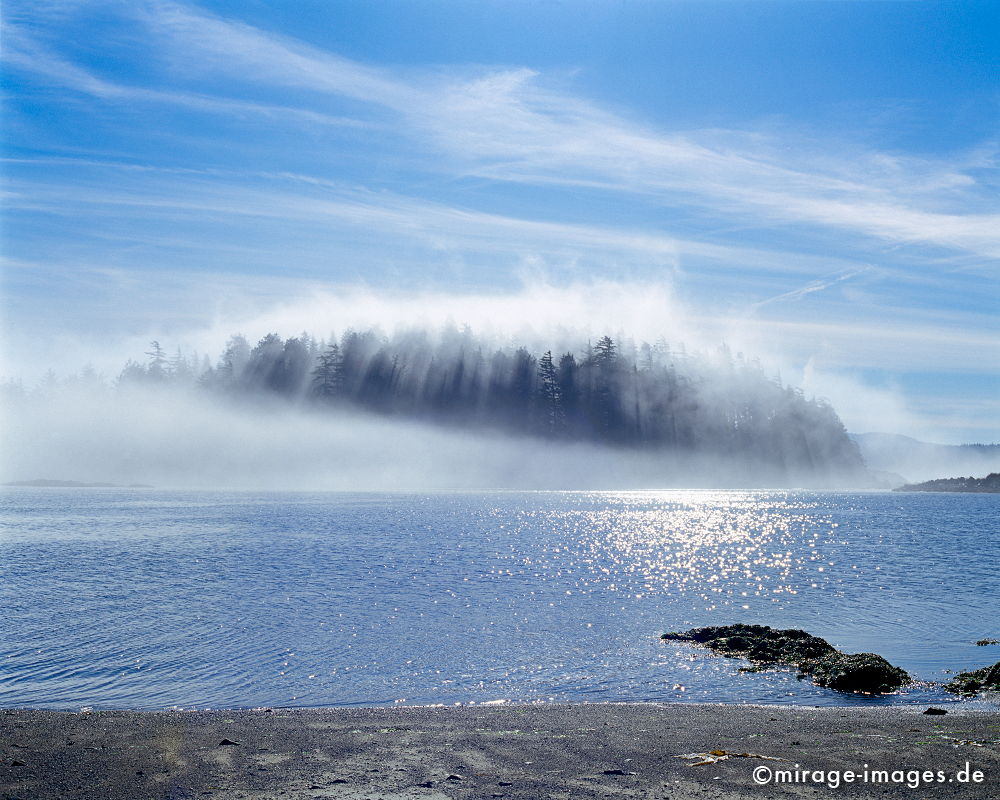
(613, 392)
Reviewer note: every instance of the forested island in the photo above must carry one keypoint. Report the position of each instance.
(991, 483)
(652, 397)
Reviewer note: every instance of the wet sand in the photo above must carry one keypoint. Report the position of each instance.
(538, 751)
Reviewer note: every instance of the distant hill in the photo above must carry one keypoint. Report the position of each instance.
(916, 461)
(991, 483)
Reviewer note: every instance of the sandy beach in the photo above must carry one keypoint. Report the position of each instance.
(534, 751)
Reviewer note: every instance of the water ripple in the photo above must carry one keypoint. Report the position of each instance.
(149, 599)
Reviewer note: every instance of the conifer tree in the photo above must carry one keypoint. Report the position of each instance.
(328, 376)
(552, 418)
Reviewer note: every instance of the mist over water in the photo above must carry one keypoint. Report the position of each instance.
(918, 461)
(538, 315)
(187, 439)
(422, 409)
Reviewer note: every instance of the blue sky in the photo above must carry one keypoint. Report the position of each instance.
(814, 182)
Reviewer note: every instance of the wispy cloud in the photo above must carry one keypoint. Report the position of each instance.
(505, 125)
(149, 192)
(508, 126)
(22, 51)
(813, 286)
(196, 41)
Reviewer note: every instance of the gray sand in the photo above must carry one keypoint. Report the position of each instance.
(542, 751)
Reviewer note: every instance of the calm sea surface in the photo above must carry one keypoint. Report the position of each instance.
(154, 599)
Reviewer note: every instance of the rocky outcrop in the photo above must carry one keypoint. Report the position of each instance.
(856, 672)
(814, 657)
(986, 679)
(761, 644)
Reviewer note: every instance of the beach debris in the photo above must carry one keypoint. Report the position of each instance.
(18, 763)
(985, 679)
(815, 658)
(956, 742)
(987, 642)
(454, 777)
(228, 742)
(505, 783)
(618, 772)
(935, 711)
(715, 756)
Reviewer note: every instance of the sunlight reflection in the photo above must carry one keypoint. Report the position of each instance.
(710, 544)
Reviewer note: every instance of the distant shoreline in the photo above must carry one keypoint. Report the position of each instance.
(988, 485)
(57, 484)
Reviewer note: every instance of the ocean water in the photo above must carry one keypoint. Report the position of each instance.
(149, 599)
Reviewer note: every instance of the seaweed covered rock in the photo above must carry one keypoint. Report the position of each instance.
(762, 644)
(980, 680)
(815, 657)
(855, 672)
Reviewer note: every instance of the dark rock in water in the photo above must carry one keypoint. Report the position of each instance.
(815, 657)
(761, 644)
(987, 642)
(856, 672)
(986, 679)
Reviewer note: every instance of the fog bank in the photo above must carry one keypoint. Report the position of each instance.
(823, 361)
(189, 439)
(917, 461)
